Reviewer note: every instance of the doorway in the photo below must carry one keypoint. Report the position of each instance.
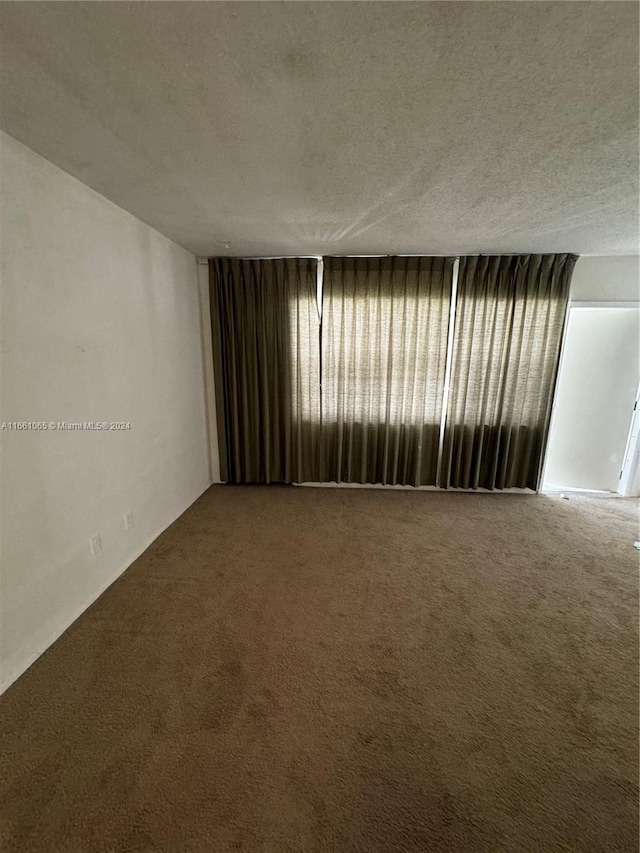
(595, 397)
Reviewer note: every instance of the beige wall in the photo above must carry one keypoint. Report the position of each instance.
(101, 321)
(610, 279)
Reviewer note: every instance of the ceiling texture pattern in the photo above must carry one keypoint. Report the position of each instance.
(265, 128)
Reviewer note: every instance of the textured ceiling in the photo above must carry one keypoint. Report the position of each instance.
(349, 128)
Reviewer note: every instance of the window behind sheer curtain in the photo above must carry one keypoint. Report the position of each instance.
(265, 340)
(354, 392)
(384, 346)
(510, 313)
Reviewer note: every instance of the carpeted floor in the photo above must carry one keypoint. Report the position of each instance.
(327, 670)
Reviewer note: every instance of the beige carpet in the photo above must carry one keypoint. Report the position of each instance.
(317, 670)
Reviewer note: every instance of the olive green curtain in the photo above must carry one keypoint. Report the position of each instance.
(265, 332)
(510, 314)
(357, 396)
(384, 347)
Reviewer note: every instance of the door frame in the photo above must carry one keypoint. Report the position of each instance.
(631, 458)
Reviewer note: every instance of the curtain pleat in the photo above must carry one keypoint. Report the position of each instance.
(384, 346)
(265, 331)
(510, 314)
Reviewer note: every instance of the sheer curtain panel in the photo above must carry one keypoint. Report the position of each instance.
(384, 346)
(510, 314)
(265, 330)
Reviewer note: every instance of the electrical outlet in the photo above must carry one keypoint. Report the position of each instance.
(128, 520)
(95, 543)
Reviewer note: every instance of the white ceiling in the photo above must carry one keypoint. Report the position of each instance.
(351, 128)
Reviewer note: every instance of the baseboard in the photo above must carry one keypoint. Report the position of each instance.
(558, 490)
(478, 491)
(4, 685)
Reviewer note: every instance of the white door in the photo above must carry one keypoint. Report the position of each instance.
(595, 398)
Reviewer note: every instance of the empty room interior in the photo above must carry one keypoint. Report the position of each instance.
(319, 427)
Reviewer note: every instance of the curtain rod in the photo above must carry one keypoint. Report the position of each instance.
(203, 260)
